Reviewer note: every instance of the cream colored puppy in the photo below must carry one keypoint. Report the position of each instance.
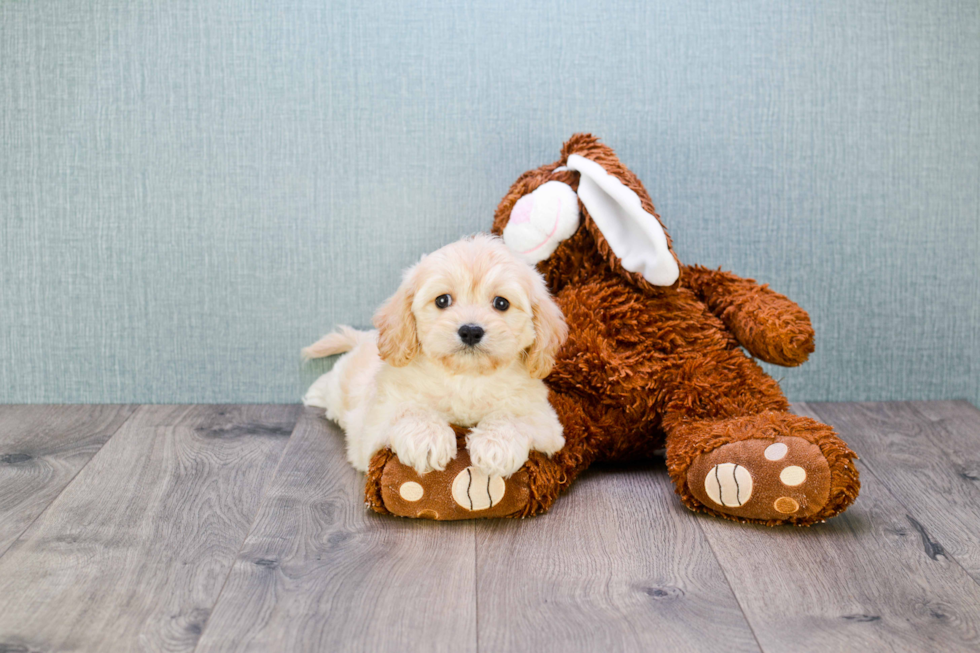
(465, 340)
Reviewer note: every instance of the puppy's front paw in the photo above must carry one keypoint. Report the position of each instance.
(423, 445)
(549, 441)
(497, 451)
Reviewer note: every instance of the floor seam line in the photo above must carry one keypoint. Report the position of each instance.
(476, 588)
(910, 513)
(728, 582)
(251, 527)
(139, 407)
(863, 463)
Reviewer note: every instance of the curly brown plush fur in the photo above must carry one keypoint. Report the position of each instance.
(647, 366)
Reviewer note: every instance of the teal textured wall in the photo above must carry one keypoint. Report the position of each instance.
(191, 191)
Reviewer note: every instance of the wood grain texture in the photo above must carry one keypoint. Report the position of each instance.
(867, 580)
(193, 520)
(617, 565)
(928, 456)
(319, 571)
(132, 555)
(41, 450)
(956, 427)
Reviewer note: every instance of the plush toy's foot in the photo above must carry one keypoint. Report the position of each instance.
(762, 478)
(458, 492)
(773, 468)
(461, 491)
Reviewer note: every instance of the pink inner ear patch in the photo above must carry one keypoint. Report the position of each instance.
(521, 213)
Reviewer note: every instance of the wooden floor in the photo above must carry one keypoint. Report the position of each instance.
(232, 528)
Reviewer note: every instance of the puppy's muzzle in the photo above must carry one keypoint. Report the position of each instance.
(470, 334)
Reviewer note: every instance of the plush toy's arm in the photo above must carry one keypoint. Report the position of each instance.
(767, 324)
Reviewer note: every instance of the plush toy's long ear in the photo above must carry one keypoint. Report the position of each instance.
(398, 341)
(634, 235)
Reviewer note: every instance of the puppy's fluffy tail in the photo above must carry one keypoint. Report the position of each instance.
(341, 341)
(333, 390)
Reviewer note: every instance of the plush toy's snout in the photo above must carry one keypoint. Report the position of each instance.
(541, 220)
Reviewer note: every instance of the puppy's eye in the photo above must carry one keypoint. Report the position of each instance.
(444, 301)
(501, 304)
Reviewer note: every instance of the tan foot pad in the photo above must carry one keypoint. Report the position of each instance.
(771, 479)
(458, 492)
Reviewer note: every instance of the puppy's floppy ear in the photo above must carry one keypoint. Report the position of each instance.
(550, 330)
(398, 341)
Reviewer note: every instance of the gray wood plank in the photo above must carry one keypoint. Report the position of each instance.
(41, 450)
(868, 580)
(617, 565)
(319, 571)
(133, 554)
(929, 463)
(958, 426)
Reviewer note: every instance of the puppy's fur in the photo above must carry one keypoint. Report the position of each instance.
(404, 384)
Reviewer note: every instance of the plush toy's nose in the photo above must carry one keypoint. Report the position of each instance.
(470, 334)
(521, 213)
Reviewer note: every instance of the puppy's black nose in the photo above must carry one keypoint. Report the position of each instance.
(470, 334)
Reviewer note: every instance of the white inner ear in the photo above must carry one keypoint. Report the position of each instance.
(634, 235)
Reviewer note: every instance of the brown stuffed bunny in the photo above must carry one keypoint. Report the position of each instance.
(653, 360)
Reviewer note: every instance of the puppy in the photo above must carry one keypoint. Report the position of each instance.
(466, 339)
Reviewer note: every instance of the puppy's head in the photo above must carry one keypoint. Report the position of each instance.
(472, 306)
